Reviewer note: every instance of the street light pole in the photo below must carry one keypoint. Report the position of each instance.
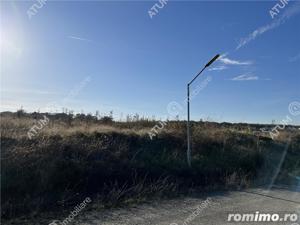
(188, 127)
(188, 110)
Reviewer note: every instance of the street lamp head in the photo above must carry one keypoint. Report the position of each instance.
(212, 60)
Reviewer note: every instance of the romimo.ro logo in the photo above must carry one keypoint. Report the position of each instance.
(262, 217)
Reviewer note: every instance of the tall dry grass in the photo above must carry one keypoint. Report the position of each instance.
(116, 162)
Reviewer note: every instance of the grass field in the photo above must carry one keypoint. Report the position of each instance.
(116, 163)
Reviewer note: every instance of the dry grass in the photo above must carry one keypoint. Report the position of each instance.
(115, 162)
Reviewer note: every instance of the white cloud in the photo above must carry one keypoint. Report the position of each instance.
(228, 61)
(245, 77)
(218, 68)
(79, 38)
(289, 12)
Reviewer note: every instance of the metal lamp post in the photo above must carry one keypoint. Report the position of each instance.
(188, 109)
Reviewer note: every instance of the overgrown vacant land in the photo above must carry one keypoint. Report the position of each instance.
(114, 163)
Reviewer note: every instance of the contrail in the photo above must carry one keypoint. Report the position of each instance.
(288, 13)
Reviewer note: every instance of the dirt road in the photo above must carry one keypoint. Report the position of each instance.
(206, 210)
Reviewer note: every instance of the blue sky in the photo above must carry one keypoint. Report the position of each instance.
(139, 64)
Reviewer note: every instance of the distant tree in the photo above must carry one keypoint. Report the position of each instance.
(20, 112)
(97, 114)
(80, 116)
(111, 114)
(106, 120)
(136, 117)
(71, 112)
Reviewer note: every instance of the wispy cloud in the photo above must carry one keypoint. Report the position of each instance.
(218, 68)
(228, 61)
(288, 13)
(245, 77)
(295, 58)
(80, 38)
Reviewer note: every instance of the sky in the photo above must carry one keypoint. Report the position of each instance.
(129, 58)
